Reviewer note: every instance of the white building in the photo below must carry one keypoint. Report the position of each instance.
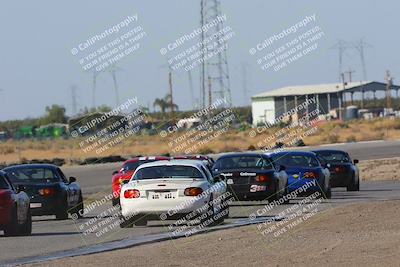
(267, 107)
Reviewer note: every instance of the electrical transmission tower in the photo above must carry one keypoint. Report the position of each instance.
(360, 45)
(214, 68)
(341, 46)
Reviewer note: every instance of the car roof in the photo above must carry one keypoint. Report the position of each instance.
(329, 150)
(136, 159)
(303, 153)
(36, 165)
(175, 162)
(239, 154)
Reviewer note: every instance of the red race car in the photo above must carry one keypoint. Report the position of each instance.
(125, 173)
(15, 216)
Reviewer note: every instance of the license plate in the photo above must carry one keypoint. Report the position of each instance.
(166, 195)
(229, 181)
(35, 205)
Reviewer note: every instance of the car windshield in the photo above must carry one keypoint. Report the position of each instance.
(243, 162)
(291, 160)
(3, 183)
(174, 172)
(333, 156)
(31, 175)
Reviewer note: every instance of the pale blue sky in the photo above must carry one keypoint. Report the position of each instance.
(37, 69)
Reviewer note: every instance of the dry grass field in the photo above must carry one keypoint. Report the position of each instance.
(183, 142)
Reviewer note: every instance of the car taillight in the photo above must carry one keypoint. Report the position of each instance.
(310, 175)
(262, 178)
(131, 193)
(339, 169)
(5, 199)
(193, 191)
(46, 192)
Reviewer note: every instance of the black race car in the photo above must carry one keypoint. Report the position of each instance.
(49, 190)
(344, 172)
(251, 176)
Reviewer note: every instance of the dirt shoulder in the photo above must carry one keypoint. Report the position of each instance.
(351, 235)
(380, 169)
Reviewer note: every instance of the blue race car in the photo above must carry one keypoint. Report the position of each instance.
(304, 171)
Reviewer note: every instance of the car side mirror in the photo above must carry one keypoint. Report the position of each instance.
(219, 178)
(72, 180)
(282, 168)
(114, 172)
(21, 188)
(356, 161)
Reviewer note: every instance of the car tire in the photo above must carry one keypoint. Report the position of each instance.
(12, 228)
(125, 223)
(140, 221)
(205, 220)
(26, 228)
(62, 214)
(354, 186)
(78, 210)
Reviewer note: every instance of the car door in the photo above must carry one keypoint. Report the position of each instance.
(21, 199)
(218, 189)
(67, 187)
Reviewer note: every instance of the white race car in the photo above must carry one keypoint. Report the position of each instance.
(175, 189)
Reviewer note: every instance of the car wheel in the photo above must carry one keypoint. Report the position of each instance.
(208, 220)
(354, 186)
(77, 212)
(327, 194)
(26, 228)
(62, 213)
(12, 228)
(125, 223)
(140, 221)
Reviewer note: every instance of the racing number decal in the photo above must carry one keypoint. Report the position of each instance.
(257, 188)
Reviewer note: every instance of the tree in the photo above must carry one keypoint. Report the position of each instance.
(161, 103)
(54, 114)
(165, 104)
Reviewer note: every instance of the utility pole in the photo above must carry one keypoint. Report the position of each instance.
(209, 92)
(171, 100)
(113, 73)
(245, 87)
(73, 96)
(94, 88)
(389, 83)
(191, 89)
(350, 72)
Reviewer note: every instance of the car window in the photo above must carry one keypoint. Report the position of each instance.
(334, 156)
(174, 172)
(208, 174)
(4, 183)
(240, 162)
(34, 174)
(295, 160)
(62, 176)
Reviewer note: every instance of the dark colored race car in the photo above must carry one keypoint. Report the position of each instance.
(251, 176)
(125, 174)
(304, 171)
(49, 190)
(15, 216)
(344, 172)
